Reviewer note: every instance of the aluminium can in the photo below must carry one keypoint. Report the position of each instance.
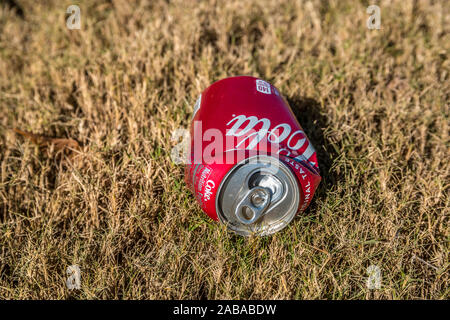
(250, 164)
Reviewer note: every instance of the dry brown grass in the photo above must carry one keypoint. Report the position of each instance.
(374, 102)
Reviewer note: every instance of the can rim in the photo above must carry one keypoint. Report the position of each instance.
(267, 229)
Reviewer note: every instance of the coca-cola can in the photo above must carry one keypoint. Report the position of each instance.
(250, 164)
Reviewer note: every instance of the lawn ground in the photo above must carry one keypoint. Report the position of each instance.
(374, 102)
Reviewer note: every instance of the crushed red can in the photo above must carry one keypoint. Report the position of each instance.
(250, 164)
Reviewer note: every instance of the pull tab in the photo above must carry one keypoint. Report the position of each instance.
(253, 205)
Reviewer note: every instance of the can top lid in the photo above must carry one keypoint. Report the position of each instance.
(259, 195)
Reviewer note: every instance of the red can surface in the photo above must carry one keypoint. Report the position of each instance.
(250, 164)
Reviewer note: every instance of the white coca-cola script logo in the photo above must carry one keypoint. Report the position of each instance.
(244, 126)
(208, 189)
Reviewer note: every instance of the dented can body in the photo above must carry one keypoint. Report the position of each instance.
(250, 164)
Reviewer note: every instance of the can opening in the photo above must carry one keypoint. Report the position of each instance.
(259, 195)
(253, 205)
(247, 213)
